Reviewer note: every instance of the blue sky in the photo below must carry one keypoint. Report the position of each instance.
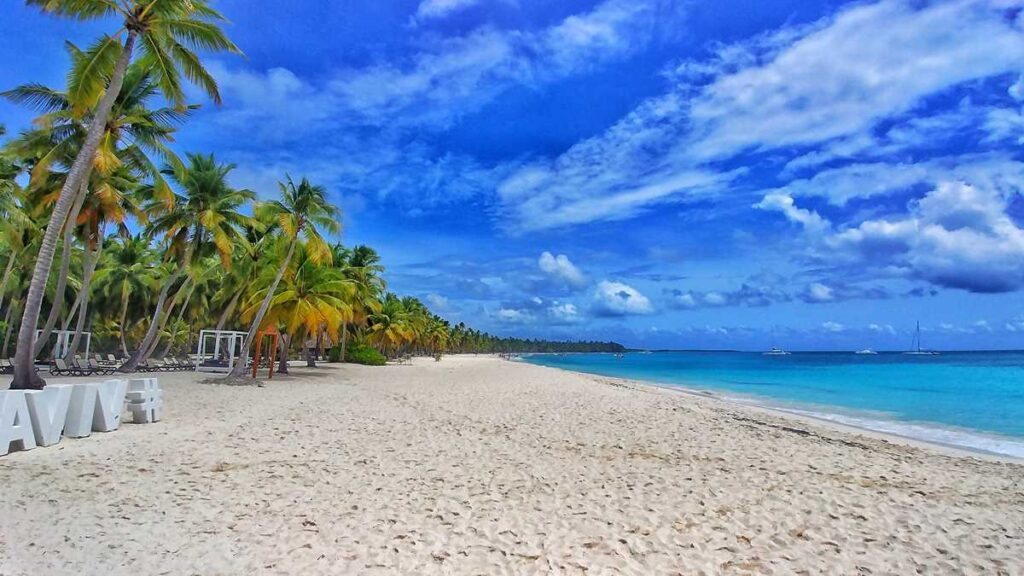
(658, 172)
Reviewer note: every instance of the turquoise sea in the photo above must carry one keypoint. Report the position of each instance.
(972, 400)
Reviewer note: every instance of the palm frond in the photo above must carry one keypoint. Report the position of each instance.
(91, 72)
(38, 97)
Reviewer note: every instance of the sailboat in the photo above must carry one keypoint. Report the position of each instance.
(915, 346)
(775, 350)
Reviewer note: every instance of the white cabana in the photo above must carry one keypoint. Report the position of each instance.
(218, 350)
(64, 338)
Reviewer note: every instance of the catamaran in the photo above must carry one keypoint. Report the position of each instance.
(915, 346)
(775, 350)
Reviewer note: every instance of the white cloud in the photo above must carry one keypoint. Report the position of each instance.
(958, 236)
(1016, 91)
(844, 74)
(429, 9)
(513, 316)
(818, 292)
(833, 326)
(618, 299)
(437, 302)
(457, 76)
(564, 313)
(1015, 324)
(828, 83)
(781, 202)
(715, 299)
(839, 186)
(882, 329)
(561, 269)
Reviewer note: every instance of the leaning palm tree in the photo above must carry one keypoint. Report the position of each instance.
(169, 33)
(309, 298)
(134, 133)
(300, 212)
(204, 220)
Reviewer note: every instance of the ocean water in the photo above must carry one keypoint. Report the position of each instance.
(972, 400)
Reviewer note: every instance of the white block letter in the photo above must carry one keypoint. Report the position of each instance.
(109, 405)
(15, 422)
(80, 410)
(49, 409)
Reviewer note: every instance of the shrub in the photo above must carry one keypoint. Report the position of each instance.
(362, 354)
(334, 353)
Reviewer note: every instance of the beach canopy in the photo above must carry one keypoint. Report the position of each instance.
(218, 350)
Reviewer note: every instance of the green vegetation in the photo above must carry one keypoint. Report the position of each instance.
(363, 354)
(144, 248)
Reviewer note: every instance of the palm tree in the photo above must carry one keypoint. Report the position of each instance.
(390, 326)
(203, 221)
(310, 298)
(169, 33)
(259, 236)
(300, 211)
(361, 266)
(128, 273)
(132, 134)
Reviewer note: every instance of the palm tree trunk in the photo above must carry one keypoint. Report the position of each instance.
(239, 369)
(282, 353)
(147, 340)
(71, 313)
(7, 333)
(307, 350)
(165, 318)
(229, 310)
(124, 320)
(7, 276)
(62, 279)
(91, 259)
(344, 334)
(25, 376)
(181, 314)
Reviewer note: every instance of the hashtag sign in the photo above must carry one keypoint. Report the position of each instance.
(145, 400)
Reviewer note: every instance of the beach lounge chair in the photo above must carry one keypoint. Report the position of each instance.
(101, 370)
(82, 367)
(61, 368)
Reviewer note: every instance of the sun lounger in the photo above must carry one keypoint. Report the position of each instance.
(102, 370)
(82, 367)
(61, 368)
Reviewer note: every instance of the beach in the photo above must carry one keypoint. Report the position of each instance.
(476, 465)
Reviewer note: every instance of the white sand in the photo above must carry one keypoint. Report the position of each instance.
(480, 466)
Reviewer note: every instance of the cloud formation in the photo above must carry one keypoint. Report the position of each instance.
(829, 83)
(431, 9)
(561, 269)
(618, 299)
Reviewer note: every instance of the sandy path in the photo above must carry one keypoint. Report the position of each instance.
(479, 466)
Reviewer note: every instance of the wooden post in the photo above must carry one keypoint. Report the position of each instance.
(270, 357)
(256, 360)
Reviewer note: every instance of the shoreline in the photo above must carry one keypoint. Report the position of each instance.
(756, 403)
(475, 465)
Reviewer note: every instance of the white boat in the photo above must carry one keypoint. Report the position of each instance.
(915, 346)
(775, 350)
(866, 351)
